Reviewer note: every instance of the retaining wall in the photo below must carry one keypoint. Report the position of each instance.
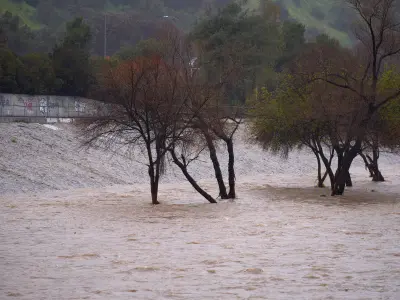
(14, 107)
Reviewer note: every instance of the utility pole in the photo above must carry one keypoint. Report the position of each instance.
(105, 35)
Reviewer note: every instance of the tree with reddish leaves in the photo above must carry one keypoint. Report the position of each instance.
(149, 108)
(147, 98)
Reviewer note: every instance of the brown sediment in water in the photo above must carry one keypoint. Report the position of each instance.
(272, 243)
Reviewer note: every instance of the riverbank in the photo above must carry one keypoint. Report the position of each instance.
(36, 158)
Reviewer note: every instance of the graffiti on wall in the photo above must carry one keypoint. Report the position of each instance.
(79, 106)
(5, 105)
(43, 106)
(4, 101)
(27, 102)
(53, 104)
(48, 106)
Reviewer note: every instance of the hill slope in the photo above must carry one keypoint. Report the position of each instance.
(38, 157)
(26, 12)
(326, 15)
(331, 17)
(319, 16)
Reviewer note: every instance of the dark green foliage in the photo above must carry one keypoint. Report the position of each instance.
(9, 68)
(317, 13)
(143, 48)
(18, 36)
(324, 39)
(32, 2)
(37, 75)
(129, 21)
(236, 37)
(45, 39)
(297, 3)
(66, 71)
(293, 42)
(77, 35)
(344, 18)
(48, 14)
(71, 59)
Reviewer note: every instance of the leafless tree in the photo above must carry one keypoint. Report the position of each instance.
(358, 72)
(150, 108)
(219, 120)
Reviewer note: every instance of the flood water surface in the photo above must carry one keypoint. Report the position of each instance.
(272, 243)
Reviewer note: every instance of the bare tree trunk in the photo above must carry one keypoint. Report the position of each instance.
(367, 164)
(340, 154)
(154, 180)
(231, 169)
(324, 176)
(185, 172)
(216, 165)
(349, 182)
(376, 173)
(331, 177)
(342, 174)
(327, 163)
(154, 172)
(319, 175)
(372, 165)
(328, 166)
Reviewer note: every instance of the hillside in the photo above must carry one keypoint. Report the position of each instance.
(38, 157)
(41, 13)
(26, 12)
(320, 16)
(331, 17)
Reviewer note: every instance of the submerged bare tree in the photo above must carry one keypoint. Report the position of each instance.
(150, 108)
(186, 150)
(144, 106)
(385, 134)
(358, 73)
(235, 46)
(225, 123)
(292, 117)
(219, 122)
(146, 97)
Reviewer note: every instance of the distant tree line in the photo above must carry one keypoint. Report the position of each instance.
(127, 22)
(66, 70)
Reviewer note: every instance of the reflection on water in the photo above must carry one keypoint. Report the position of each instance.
(272, 243)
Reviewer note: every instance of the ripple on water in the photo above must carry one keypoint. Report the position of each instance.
(80, 256)
(265, 246)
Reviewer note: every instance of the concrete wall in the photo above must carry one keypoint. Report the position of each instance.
(32, 108)
(42, 120)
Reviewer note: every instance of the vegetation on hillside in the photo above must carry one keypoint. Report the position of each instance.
(322, 16)
(319, 17)
(23, 10)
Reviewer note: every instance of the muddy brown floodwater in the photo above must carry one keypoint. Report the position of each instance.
(272, 243)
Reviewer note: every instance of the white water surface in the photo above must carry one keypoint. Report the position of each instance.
(281, 239)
